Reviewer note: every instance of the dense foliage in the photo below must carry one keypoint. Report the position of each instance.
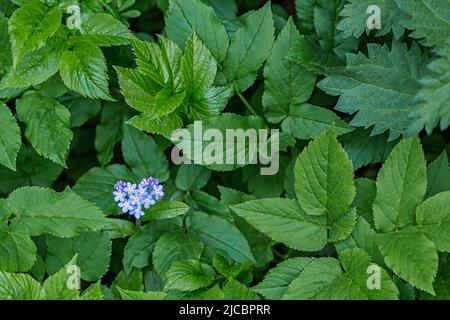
(88, 182)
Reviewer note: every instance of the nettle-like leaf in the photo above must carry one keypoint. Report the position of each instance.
(38, 210)
(249, 48)
(18, 286)
(189, 275)
(432, 108)
(10, 139)
(104, 30)
(47, 126)
(17, 250)
(346, 278)
(355, 18)
(187, 16)
(325, 190)
(379, 88)
(30, 27)
(429, 19)
(5, 55)
(288, 86)
(410, 233)
(83, 69)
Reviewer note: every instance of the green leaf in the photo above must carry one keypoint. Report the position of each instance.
(324, 184)
(249, 48)
(10, 139)
(165, 210)
(17, 286)
(32, 170)
(103, 30)
(380, 88)
(37, 66)
(235, 290)
(220, 155)
(5, 55)
(285, 221)
(161, 125)
(97, 186)
(48, 126)
(429, 19)
(185, 16)
(93, 252)
(411, 255)
(64, 214)
(109, 131)
(438, 175)
(30, 27)
(199, 71)
(189, 275)
(81, 109)
(17, 251)
(355, 18)
(401, 186)
(287, 84)
(433, 217)
(175, 246)
(192, 177)
(324, 278)
(142, 154)
(83, 69)
(220, 234)
(432, 108)
(64, 284)
(136, 295)
(276, 282)
(139, 249)
(315, 280)
(364, 149)
(93, 292)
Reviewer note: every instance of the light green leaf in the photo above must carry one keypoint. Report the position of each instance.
(30, 27)
(17, 251)
(433, 217)
(185, 16)
(411, 255)
(93, 252)
(276, 282)
(192, 177)
(64, 214)
(137, 295)
(63, 285)
(103, 30)
(48, 126)
(10, 139)
(83, 69)
(401, 186)
(250, 46)
(175, 246)
(285, 221)
(17, 286)
(235, 290)
(324, 184)
(165, 210)
(189, 275)
(220, 234)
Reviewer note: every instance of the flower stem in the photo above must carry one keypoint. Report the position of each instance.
(246, 103)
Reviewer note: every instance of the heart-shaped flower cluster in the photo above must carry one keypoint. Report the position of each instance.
(132, 198)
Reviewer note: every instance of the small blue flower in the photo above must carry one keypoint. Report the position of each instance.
(126, 206)
(148, 202)
(131, 198)
(157, 191)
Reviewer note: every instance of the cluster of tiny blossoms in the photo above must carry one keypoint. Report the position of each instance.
(131, 198)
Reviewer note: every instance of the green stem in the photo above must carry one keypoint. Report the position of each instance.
(246, 103)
